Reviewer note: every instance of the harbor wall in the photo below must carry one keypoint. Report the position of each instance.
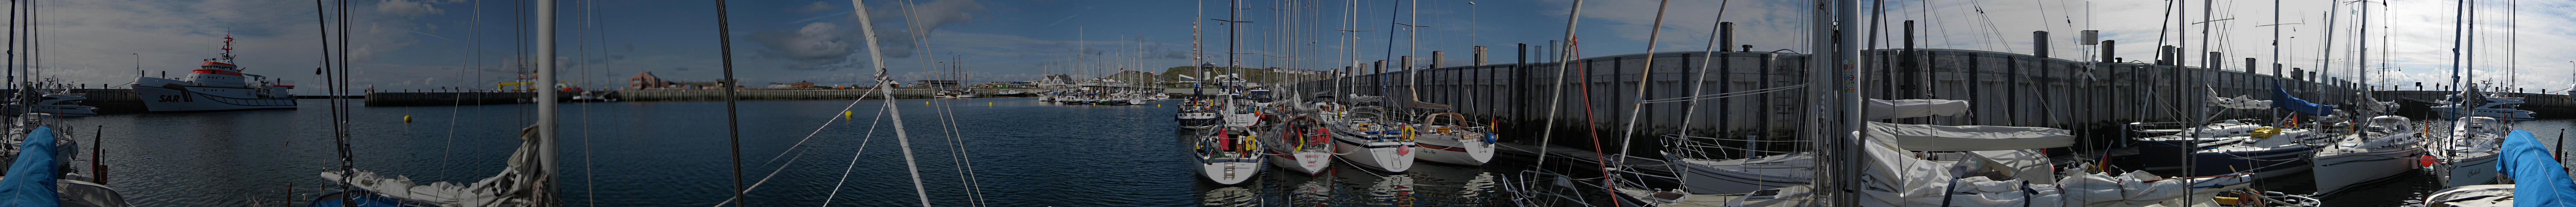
(814, 94)
(445, 98)
(2542, 105)
(2004, 89)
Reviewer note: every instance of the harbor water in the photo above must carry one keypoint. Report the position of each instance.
(1024, 153)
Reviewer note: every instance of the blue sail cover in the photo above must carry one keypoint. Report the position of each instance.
(2281, 98)
(2538, 180)
(30, 181)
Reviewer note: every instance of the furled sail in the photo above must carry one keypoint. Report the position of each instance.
(2240, 102)
(1917, 137)
(2281, 98)
(505, 189)
(1910, 108)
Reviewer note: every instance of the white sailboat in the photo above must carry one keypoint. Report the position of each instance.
(1301, 144)
(2384, 147)
(1229, 155)
(1454, 141)
(2489, 105)
(58, 103)
(2468, 156)
(1361, 140)
(215, 85)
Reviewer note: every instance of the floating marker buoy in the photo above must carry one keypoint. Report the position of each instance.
(988, 103)
(845, 114)
(406, 118)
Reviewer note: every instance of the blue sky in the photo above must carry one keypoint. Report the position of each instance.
(424, 44)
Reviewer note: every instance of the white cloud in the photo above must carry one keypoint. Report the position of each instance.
(405, 8)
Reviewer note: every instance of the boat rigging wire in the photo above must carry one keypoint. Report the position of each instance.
(827, 123)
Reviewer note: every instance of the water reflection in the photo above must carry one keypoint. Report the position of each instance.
(1230, 196)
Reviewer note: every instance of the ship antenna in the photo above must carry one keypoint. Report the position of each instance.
(228, 48)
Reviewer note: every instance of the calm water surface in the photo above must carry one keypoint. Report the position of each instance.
(1023, 153)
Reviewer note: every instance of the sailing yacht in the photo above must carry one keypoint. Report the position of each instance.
(1456, 141)
(2491, 105)
(1229, 155)
(215, 85)
(1976, 166)
(2537, 179)
(58, 103)
(2382, 148)
(2468, 156)
(1240, 112)
(2228, 147)
(1197, 114)
(1360, 139)
(1302, 144)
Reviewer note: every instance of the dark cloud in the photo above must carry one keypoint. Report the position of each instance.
(806, 48)
(822, 45)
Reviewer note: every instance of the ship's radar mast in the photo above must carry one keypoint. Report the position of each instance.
(228, 48)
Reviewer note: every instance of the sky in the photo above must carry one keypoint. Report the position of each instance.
(431, 44)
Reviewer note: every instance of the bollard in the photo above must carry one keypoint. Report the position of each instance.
(1480, 56)
(1436, 57)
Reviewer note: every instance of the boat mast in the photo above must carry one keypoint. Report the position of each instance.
(546, 129)
(1838, 119)
(876, 59)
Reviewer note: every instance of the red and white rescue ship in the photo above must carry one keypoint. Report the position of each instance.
(214, 86)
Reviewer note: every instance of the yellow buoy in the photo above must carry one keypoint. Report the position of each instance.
(406, 118)
(845, 114)
(988, 103)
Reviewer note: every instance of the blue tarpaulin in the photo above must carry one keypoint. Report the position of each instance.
(30, 181)
(2538, 180)
(2281, 98)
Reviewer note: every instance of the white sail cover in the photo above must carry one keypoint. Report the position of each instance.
(505, 189)
(2240, 102)
(1910, 108)
(1917, 137)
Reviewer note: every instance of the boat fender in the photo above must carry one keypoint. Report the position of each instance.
(2266, 132)
(1408, 132)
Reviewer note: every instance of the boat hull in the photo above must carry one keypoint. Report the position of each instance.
(2449, 112)
(1381, 155)
(1230, 171)
(181, 99)
(1745, 175)
(1454, 149)
(2157, 156)
(1310, 163)
(2465, 172)
(2339, 171)
(1197, 120)
(57, 110)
